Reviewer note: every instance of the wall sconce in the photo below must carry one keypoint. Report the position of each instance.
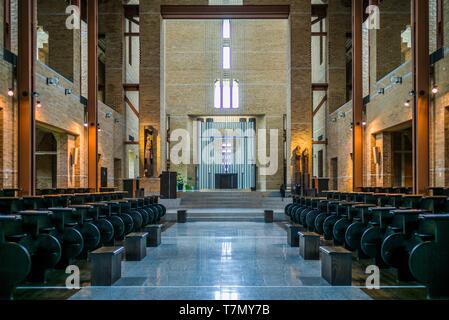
(407, 103)
(396, 80)
(38, 104)
(381, 91)
(68, 91)
(108, 115)
(35, 94)
(435, 89)
(10, 92)
(364, 123)
(52, 81)
(334, 120)
(352, 126)
(412, 93)
(98, 127)
(342, 115)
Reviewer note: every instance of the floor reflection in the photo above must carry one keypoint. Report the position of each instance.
(222, 261)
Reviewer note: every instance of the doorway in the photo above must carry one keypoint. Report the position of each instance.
(334, 170)
(46, 160)
(227, 148)
(402, 158)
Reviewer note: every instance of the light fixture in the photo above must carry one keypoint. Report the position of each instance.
(381, 91)
(38, 104)
(396, 80)
(334, 119)
(407, 103)
(364, 123)
(52, 81)
(10, 92)
(108, 115)
(412, 93)
(342, 115)
(68, 91)
(435, 89)
(98, 127)
(86, 124)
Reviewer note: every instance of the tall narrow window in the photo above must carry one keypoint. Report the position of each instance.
(226, 29)
(226, 57)
(226, 94)
(235, 95)
(217, 94)
(7, 24)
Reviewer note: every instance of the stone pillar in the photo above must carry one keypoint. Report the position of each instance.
(64, 54)
(150, 84)
(386, 43)
(339, 25)
(111, 15)
(301, 75)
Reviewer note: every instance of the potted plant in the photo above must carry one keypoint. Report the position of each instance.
(189, 184)
(180, 182)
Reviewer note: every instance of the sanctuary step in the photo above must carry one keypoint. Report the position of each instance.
(233, 199)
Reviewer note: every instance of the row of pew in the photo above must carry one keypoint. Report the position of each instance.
(403, 231)
(40, 233)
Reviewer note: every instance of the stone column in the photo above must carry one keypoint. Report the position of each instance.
(64, 54)
(111, 15)
(301, 84)
(338, 26)
(150, 84)
(386, 43)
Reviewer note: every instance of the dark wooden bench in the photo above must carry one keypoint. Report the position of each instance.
(309, 245)
(136, 246)
(268, 216)
(106, 265)
(292, 235)
(182, 216)
(154, 234)
(336, 265)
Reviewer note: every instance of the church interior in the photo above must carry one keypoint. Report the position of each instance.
(224, 150)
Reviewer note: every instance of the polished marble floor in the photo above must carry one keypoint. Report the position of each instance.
(222, 260)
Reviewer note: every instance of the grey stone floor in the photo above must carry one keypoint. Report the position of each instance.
(222, 260)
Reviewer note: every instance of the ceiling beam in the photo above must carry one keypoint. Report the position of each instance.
(225, 12)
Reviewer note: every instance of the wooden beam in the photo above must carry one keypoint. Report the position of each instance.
(26, 100)
(421, 82)
(132, 107)
(131, 142)
(319, 34)
(92, 104)
(320, 86)
(133, 20)
(131, 86)
(131, 11)
(132, 34)
(317, 109)
(319, 10)
(316, 20)
(225, 12)
(357, 94)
